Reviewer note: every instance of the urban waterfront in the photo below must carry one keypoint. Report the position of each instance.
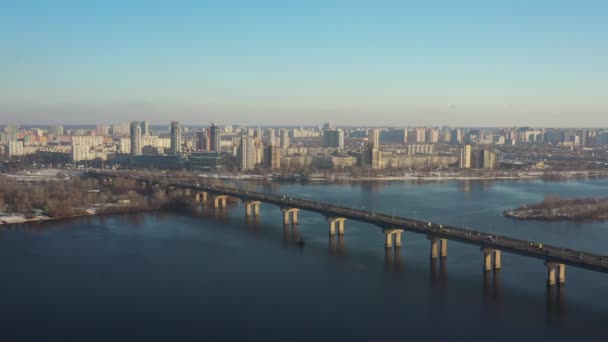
(203, 274)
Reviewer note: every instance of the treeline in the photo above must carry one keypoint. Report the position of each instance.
(73, 196)
(554, 202)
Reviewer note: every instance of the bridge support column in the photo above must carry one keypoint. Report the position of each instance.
(220, 201)
(252, 208)
(389, 233)
(444, 248)
(487, 259)
(332, 225)
(434, 250)
(497, 260)
(551, 273)
(389, 240)
(290, 211)
(201, 197)
(561, 274)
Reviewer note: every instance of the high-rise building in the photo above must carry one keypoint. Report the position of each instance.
(203, 141)
(145, 128)
(414, 149)
(272, 157)
(246, 153)
(102, 130)
(432, 136)
(483, 159)
(327, 126)
(465, 156)
(215, 138)
(421, 135)
(14, 148)
(333, 138)
(374, 138)
(272, 137)
(55, 131)
(135, 138)
(456, 136)
(176, 139)
(12, 128)
(284, 138)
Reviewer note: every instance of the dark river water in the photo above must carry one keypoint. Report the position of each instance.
(213, 276)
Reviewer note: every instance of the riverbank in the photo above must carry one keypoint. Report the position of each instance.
(556, 209)
(16, 218)
(418, 176)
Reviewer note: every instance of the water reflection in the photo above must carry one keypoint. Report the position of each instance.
(439, 272)
(556, 303)
(392, 259)
(491, 285)
(290, 233)
(336, 247)
(252, 222)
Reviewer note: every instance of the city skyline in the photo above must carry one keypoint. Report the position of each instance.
(472, 64)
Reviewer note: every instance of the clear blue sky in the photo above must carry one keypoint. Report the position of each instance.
(481, 63)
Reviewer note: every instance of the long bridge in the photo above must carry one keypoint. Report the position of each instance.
(555, 258)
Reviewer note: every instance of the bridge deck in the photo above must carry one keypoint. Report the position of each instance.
(547, 252)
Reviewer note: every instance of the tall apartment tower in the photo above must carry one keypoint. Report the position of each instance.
(145, 128)
(466, 155)
(215, 138)
(272, 157)
(284, 138)
(135, 138)
(333, 138)
(203, 141)
(176, 139)
(246, 153)
(374, 138)
(272, 137)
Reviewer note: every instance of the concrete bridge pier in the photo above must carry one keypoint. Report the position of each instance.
(444, 247)
(434, 247)
(487, 259)
(287, 212)
(332, 225)
(556, 273)
(201, 197)
(252, 208)
(219, 201)
(388, 236)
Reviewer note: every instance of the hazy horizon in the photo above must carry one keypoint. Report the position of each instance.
(272, 63)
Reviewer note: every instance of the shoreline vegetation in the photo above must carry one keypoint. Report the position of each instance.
(554, 208)
(25, 202)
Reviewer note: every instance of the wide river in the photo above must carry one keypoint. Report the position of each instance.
(219, 276)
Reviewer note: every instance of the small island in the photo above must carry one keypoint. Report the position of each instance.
(554, 208)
